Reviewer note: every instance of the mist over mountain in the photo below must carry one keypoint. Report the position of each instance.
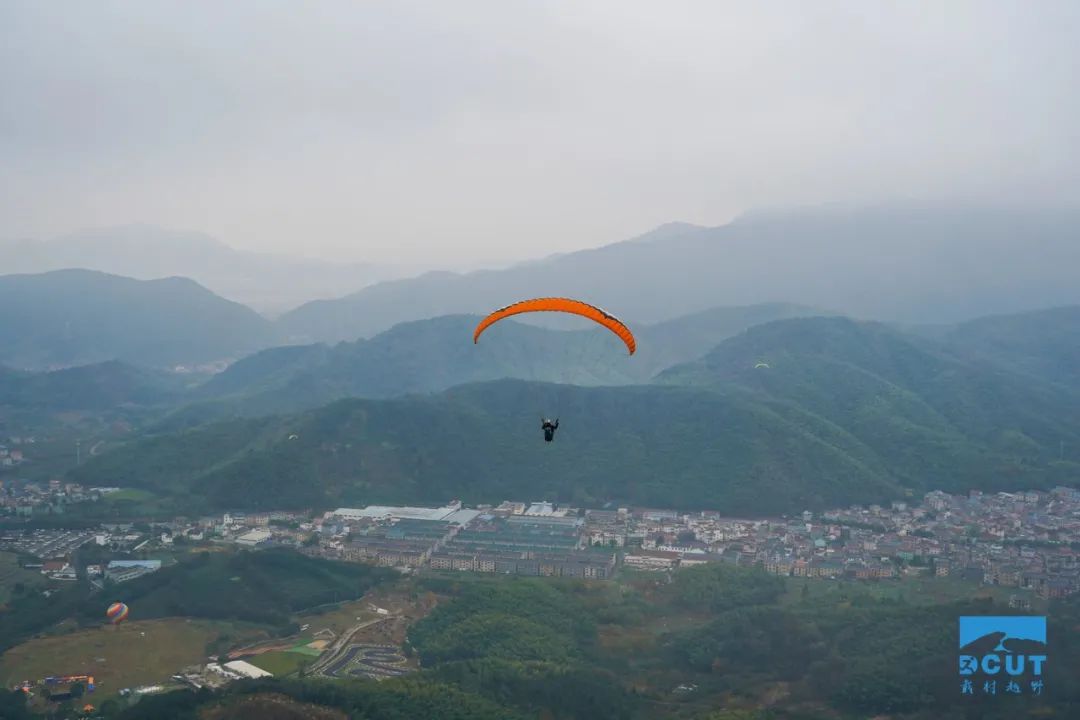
(268, 283)
(870, 263)
(76, 317)
(912, 264)
(1043, 343)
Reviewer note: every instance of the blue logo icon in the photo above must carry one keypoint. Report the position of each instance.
(1020, 627)
(1005, 648)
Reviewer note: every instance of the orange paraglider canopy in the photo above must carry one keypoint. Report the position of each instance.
(566, 305)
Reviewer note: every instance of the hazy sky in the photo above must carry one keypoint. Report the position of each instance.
(441, 132)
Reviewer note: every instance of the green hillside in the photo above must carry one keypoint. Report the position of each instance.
(796, 413)
(265, 587)
(936, 419)
(96, 388)
(262, 587)
(272, 699)
(76, 317)
(433, 355)
(649, 445)
(716, 643)
(92, 404)
(1043, 344)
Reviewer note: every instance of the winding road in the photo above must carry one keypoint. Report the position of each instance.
(340, 646)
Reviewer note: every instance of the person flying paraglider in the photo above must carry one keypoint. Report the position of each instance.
(560, 305)
(549, 428)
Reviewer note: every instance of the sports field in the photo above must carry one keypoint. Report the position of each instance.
(130, 495)
(280, 663)
(133, 654)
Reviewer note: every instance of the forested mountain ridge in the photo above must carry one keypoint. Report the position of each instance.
(78, 317)
(432, 355)
(797, 413)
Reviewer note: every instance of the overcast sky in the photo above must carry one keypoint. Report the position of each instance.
(455, 132)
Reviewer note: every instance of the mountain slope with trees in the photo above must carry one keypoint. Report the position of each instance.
(936, 416)
(432, 355)
(1044, 344)
(646, 444)
(845, 412)
(79, 317)
(94, 388)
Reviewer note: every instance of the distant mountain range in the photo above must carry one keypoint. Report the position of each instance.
(68, 318)
(269, 283)
(791, 414)
(899, 263)
(908, 264)
(77, 317)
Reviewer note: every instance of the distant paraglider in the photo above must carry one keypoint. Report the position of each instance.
(761, 365)
(549, 428)
(562, 305)
(117, 613)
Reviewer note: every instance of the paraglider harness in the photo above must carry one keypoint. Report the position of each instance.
(549, 428)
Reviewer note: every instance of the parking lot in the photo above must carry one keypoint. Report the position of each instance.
(45, 544)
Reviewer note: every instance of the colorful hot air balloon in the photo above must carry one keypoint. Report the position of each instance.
(117, 613)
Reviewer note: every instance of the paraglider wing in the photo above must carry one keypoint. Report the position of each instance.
(565, 305)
